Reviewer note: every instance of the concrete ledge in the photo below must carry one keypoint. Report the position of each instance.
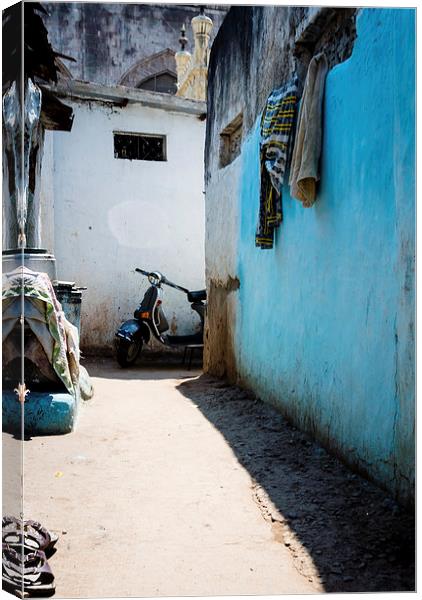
(120, 94)
(45, 413)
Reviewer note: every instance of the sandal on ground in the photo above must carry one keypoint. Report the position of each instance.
(33, 577)
(36, 537)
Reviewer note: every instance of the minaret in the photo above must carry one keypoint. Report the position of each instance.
(192, 70)
(202, 26)
(183, 57)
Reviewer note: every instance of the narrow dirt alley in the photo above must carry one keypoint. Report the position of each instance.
(150, 500)
(176, 484)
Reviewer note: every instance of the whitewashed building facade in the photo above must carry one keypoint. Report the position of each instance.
(125, 188)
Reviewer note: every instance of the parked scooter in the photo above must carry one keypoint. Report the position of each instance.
(150, 318)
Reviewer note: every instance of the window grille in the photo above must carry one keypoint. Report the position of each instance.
(139, 146)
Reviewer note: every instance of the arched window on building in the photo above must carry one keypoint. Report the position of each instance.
(156, 73)
(164, 82)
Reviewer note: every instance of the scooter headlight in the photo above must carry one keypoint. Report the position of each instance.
(155, 278)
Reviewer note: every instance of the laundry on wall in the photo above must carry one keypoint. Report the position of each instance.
(304, 170)
(276, 133)
(283, 139)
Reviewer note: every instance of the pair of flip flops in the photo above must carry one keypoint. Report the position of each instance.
(26, 545)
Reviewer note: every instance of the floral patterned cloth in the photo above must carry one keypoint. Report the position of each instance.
(65, 348)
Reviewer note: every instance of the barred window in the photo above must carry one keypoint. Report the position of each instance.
(139, 146)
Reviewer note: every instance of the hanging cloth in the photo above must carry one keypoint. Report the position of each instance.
(276, 128)
(44, 315)
(304, 171)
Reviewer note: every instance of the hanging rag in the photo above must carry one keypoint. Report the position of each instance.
(276, 128)
(304, 171)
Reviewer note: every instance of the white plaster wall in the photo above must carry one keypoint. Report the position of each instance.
(222, 275)
(47, 195)
(222, 223)
(112, 215)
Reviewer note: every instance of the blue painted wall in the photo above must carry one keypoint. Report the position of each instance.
(324, 325)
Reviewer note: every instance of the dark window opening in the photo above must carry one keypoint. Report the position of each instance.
(160, 82)
(137, 146)
(231, 141)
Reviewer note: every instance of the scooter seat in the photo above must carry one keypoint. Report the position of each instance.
(197, 296)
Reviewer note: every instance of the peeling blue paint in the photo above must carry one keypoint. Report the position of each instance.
(325, 320)
(45, 413)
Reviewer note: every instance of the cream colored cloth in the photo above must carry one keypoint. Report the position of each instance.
(304, 171)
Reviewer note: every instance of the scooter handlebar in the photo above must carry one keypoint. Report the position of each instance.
(165, 281)
(174, 285)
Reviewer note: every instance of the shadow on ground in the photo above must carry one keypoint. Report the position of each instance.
(341, 529)
(143, 370)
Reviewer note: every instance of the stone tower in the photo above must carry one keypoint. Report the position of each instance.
(192, 70)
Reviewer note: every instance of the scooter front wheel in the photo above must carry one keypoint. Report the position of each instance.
(127, 352)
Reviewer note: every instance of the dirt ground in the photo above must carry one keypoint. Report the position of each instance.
(341, 530)
(177, 484)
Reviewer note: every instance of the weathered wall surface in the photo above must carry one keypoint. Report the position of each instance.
(112, 215)
(240, 80)
(108, 39)
(246, 36)
(221, 234)
(324, 322)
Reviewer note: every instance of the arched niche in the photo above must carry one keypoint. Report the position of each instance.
(164, 82)
(156, 70)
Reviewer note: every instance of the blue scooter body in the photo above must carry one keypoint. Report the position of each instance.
(133, 330)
